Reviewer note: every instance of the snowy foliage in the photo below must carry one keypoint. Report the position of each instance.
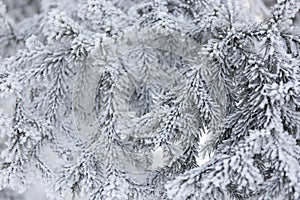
(98, 86)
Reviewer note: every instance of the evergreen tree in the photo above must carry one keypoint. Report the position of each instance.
(98, 86)
(256, 150)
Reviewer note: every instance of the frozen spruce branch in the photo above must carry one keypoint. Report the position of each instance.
(260, 133)
(96, 88)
